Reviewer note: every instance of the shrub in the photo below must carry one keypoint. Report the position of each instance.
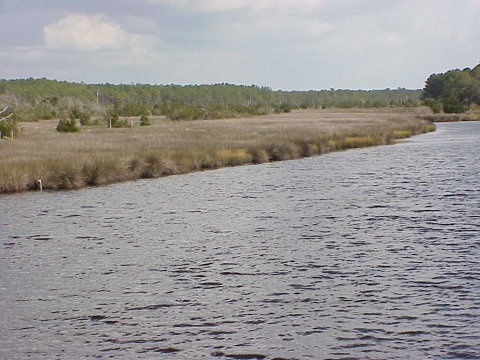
(144, 121)
(6, 129)
(67, 125)
(453, 105)
(434, 105)
(282, 108)
(8, 126)
(112, 119)
(85, 119)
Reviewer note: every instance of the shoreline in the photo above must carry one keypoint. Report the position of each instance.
(438, 118)
(43, 159)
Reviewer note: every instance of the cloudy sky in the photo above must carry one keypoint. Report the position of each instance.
(283, 44)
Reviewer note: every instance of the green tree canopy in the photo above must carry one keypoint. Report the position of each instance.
(35, 99)
(456, 90)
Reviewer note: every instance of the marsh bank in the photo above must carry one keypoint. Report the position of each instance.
(99, 156)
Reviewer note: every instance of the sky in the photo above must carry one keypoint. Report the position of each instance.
(282, 44)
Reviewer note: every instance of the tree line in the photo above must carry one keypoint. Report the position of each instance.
(35, 99)
(455, 91)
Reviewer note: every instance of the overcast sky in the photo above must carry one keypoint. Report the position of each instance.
(283, 44)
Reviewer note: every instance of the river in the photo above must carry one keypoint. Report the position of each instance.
(363, 254)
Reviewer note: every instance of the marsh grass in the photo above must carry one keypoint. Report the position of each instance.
(402, 134)
(472, 116)
(98, 156)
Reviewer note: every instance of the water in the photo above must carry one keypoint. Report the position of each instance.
(363, 254)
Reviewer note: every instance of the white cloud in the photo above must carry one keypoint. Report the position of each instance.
(106, 40)
(84, 33)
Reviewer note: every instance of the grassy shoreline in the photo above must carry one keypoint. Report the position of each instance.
(100, 156)
(472, 116)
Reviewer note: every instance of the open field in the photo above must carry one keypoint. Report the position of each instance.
(98, 155)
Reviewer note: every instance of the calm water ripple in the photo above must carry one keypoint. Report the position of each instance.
(363, 254)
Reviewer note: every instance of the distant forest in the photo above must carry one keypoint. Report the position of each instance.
(34, 99)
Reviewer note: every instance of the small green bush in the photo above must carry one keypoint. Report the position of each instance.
(282, 108)
(434, 105)
(144, 121)
(67, 125)
(112, 119)
(85, 119)
(453, 106)
(304, 105)
(7, 127)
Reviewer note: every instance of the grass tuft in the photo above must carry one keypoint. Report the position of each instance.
(402, 134)
(157, 165)
(232, 157)
(358, 141)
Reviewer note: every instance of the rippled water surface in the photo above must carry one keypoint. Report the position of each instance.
(363, 254)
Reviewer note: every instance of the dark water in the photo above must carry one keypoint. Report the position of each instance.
(364, 254)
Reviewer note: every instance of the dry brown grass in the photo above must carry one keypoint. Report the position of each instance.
(98, 155)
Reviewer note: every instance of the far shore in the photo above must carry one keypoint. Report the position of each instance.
(451, 117)
(43, 159)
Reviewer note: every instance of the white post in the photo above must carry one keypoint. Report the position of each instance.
(40, 184)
